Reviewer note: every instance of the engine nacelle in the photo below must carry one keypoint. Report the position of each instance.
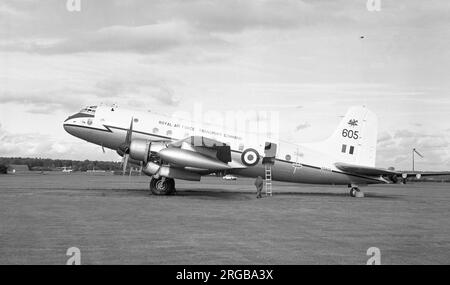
(142, 149)
(191, 159)
(153, 169)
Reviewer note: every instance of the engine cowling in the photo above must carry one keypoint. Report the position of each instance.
(190, 158)
(141, 150)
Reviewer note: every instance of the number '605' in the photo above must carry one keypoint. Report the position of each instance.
(350, 134)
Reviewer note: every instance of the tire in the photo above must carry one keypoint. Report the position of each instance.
(160, 187)
(353, 192)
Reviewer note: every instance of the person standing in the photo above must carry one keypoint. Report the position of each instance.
(259, 182)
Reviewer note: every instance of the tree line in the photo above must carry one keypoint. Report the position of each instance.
(47, 164)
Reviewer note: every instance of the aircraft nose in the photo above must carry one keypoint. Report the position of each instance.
(71, 117)
(66, 127)
(73, 130)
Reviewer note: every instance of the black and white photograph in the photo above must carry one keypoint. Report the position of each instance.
(224, 132)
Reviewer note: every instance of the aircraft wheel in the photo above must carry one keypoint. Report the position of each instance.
(162, 186)
(353, 191)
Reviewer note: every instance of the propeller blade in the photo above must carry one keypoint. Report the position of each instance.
(129, 133)
(125, 147)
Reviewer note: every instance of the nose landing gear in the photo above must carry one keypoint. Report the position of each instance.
(162, 186)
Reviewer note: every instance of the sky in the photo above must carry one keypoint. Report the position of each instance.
(308, 61)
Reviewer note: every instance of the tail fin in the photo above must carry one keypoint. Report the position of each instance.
(355, 139)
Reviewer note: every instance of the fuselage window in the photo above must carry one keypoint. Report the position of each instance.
(169, 132)
(155, 130)
(344, 148)
(241, 147)
(352, 148)
(136, 120)
(288, 157)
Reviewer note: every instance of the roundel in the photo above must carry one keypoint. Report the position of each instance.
(250, 157)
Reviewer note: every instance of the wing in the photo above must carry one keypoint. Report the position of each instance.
(365, 170)
(381, 172)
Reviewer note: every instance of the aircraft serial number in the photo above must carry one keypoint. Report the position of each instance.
(350, 134)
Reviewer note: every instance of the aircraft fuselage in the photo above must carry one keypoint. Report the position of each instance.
(299, 163)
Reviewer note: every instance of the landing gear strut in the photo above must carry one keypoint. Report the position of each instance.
(162, 186)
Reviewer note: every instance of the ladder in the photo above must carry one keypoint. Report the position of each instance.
(268, 180)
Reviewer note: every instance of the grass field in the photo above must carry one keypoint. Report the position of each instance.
(114, 220)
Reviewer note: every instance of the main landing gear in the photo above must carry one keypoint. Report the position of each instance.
(355, 191)
(162, 186)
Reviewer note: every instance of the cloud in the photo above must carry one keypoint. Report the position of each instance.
(150, 89)
(402, 134)
(279, 53)
(302, 126)
(140, 39)
(125, 92)
(152, 26)
(29, 144)
(145, 39)
(385, 136)
(235, 16)
(47, 146)
(395, 150)
(7, 10)
(44, 101)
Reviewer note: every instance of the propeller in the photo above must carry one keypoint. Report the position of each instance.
(124, 149)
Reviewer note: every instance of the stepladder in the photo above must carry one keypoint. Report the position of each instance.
(268, 180)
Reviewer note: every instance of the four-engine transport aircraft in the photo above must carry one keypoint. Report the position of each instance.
(169, 148)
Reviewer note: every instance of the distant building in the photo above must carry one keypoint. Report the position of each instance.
(18, 169)
(67, 169)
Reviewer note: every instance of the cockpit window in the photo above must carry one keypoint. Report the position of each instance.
(89, 110)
